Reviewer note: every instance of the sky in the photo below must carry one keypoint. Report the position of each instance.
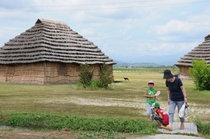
(153, 31)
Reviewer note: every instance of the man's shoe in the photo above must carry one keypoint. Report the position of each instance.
(181, 127)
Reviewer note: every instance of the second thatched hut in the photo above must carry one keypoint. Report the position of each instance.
(202, 51)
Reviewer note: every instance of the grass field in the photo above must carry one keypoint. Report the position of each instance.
(123, 100)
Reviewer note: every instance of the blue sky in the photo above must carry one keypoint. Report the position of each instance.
(159, 31)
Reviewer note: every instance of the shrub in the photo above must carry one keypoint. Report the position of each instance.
(85, 75)
(200, 73)
(94, 84)
(105, 76)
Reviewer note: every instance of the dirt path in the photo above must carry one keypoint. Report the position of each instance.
(131, 102)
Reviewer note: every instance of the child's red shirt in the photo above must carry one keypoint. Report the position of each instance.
(164, 115)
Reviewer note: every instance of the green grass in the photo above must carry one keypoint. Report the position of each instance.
(78, 123)
(124, 100)
(55, 99)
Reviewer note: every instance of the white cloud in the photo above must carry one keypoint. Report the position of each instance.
(122, 29)
(181, 31)
(7, 33)
(5, 30)
(80, 16)
(86, 32)
(174, 27)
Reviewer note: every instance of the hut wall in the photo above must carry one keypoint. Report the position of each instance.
(3, 70)
(43, 73)
(61, 73)
(184, 74)
(22, 73)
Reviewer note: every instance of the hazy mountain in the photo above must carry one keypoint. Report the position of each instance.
(166, 60)
(136, 64)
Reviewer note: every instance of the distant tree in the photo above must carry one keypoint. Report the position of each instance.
(85, 75)
(173, 67)
(200, 73)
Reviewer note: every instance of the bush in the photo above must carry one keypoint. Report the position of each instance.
(105, 76)
(85, 75)
(200, 73)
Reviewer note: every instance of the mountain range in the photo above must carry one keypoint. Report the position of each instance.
(137, 64)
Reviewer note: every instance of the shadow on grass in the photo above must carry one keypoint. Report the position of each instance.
(118, 81)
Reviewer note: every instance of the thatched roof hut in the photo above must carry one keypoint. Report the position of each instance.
(202, 51)
(50, 52)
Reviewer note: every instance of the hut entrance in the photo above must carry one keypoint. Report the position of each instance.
(62, 69)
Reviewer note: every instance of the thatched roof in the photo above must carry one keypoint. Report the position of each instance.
(51, 41)
(202, 51)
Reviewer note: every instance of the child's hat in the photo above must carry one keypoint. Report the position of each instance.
(150, 82)
(156, 105)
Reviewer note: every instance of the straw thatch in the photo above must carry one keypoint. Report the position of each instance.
(48, 52)
(202, 51)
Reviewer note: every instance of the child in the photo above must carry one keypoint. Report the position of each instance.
(150, 98)
(161, 116)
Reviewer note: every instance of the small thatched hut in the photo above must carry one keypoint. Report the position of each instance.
(202, 51)
(50, 52)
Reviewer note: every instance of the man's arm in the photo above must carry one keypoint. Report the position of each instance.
(168, 92)
(184, 93)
